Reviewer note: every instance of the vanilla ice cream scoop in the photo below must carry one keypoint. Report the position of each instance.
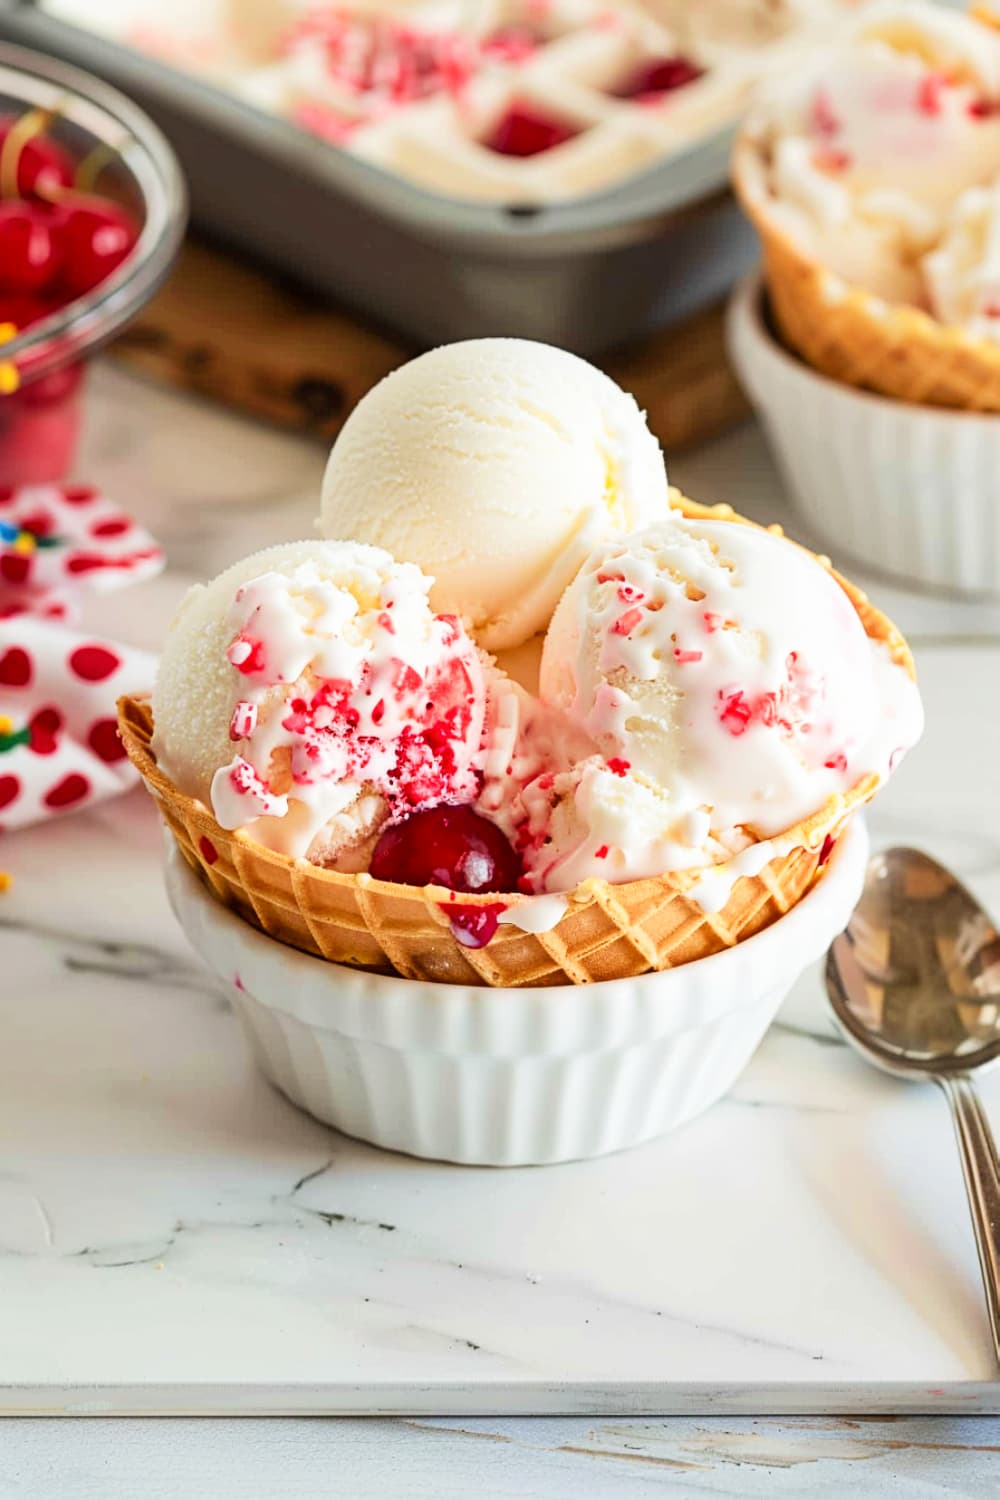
(963, 271)
(310, 692)
(725, 673)
(867, 147)
(495, 465)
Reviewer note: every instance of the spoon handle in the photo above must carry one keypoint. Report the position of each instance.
(982, 1181)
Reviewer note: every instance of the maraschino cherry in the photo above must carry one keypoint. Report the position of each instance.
(42, 166)
(447, 845)
(56, 243)
(21, 309)
(96, 239)
(30, 253)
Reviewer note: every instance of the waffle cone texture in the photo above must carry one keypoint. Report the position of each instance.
(851, 335)
(607, 931)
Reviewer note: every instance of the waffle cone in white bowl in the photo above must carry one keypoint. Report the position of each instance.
(850, 334)
(510, 1077)
(608, 931)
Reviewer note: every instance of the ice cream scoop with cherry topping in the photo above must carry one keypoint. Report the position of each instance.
(310, 695)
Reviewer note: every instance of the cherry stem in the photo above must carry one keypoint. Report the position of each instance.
(21, 132)
(89, 169)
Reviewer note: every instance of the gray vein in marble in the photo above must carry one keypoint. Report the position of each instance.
(563, 1289)
(739, 1101)
(578, 1302)
(123, 960)
(312, 1175)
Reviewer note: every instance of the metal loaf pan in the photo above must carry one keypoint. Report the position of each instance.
(591, 274)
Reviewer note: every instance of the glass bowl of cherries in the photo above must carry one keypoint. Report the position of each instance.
(92, 212)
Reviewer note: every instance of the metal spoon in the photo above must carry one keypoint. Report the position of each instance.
(915, 986)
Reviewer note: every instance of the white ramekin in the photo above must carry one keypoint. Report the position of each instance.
(913, 491)
(511, 1077)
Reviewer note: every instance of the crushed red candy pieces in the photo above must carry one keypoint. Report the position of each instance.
(627, 622)
(246, 655)
(823, 116)
(244, 720)
(826, 159)
(510, 44)
(929, 93)
(735, 712)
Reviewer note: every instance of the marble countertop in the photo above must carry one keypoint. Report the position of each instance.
(174, 1236)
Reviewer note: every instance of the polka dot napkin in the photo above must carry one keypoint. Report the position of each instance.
(59, 745)
(59, 542)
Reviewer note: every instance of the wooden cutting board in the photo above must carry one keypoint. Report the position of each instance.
(225, 329)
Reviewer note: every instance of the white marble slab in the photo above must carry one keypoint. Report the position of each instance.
(174, 1236)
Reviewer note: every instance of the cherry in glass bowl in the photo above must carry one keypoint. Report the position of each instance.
(92, 213)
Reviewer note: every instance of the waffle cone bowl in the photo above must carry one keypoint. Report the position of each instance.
(853, 336)
(607, 931)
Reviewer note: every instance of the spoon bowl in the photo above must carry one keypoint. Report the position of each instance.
(914, 983)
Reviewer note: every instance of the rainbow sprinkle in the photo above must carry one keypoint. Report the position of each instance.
(10, 737)
(9, 377)
(20, 539)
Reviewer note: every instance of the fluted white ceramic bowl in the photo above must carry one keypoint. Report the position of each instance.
(511, 1077)
(911, 490)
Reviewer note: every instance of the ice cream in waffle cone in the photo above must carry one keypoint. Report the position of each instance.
(872, 179)
(594, 930)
